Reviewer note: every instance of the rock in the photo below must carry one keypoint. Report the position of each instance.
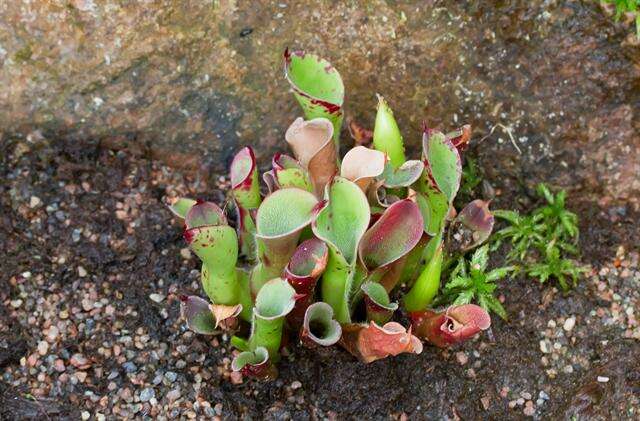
(156, 298)
(43, 348)
(462, 358)
(52, 334)
(545, 346)
(133, 74)
(171, 376)
(569, 324)
(129, 367)
(35, 202)
(147, 394)
(173, 395)
(296, 385)
(79, 361)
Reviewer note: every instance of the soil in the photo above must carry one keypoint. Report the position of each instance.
(93, 264)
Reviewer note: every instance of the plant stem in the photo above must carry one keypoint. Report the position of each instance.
(267, 333)
(336, 285)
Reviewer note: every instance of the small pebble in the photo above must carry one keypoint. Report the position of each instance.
(296, 385)
(173, 395)
(545, 346)
(462, 358)
(79, 361)
(147, 394)
(82, 272)
(34, 202)
(569, 324)
(156, 298)
(43, 347)
(85, 415)
(171, 376)
(603, 379)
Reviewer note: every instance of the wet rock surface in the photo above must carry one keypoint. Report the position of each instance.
(189, 83)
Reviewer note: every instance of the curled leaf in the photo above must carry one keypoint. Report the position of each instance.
(372, 342)
(203, 214)
(472, 226)
(255, 364)
(319, 326)
(455, 325)
(402, 176)
(226, 316)
(426, 286)
(279, 221)
(317, 86)
(179, 207)
(305, 267)
(312, 146)
(274, 301)
(244, 179)
(379, 307)
(196, 312)
(361, 165)
(394, 235)
(287, 172)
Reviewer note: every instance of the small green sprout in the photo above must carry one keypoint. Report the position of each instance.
(470, 282)
(523, 233)
(554, 266)
(538, 240)
(558, 222)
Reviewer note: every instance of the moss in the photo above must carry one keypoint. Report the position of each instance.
(24, 54)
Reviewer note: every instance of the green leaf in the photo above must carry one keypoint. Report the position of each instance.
(495, 305)
(182, 206)
(386, 134)
(499, 273)
(402, 176)
(317, 86)
(434, 207)
(443, 164)
(464, 297)
(344, 219)
(480, 259)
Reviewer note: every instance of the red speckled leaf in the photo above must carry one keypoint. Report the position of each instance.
(455, 325)
(372, 342)
(396, 232)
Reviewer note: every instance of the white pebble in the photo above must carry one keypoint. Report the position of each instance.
(156, 298)
(603, 379)
(34, 202)
(43, 347)
(569, 324)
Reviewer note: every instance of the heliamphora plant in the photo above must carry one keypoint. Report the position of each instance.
(332, 242)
